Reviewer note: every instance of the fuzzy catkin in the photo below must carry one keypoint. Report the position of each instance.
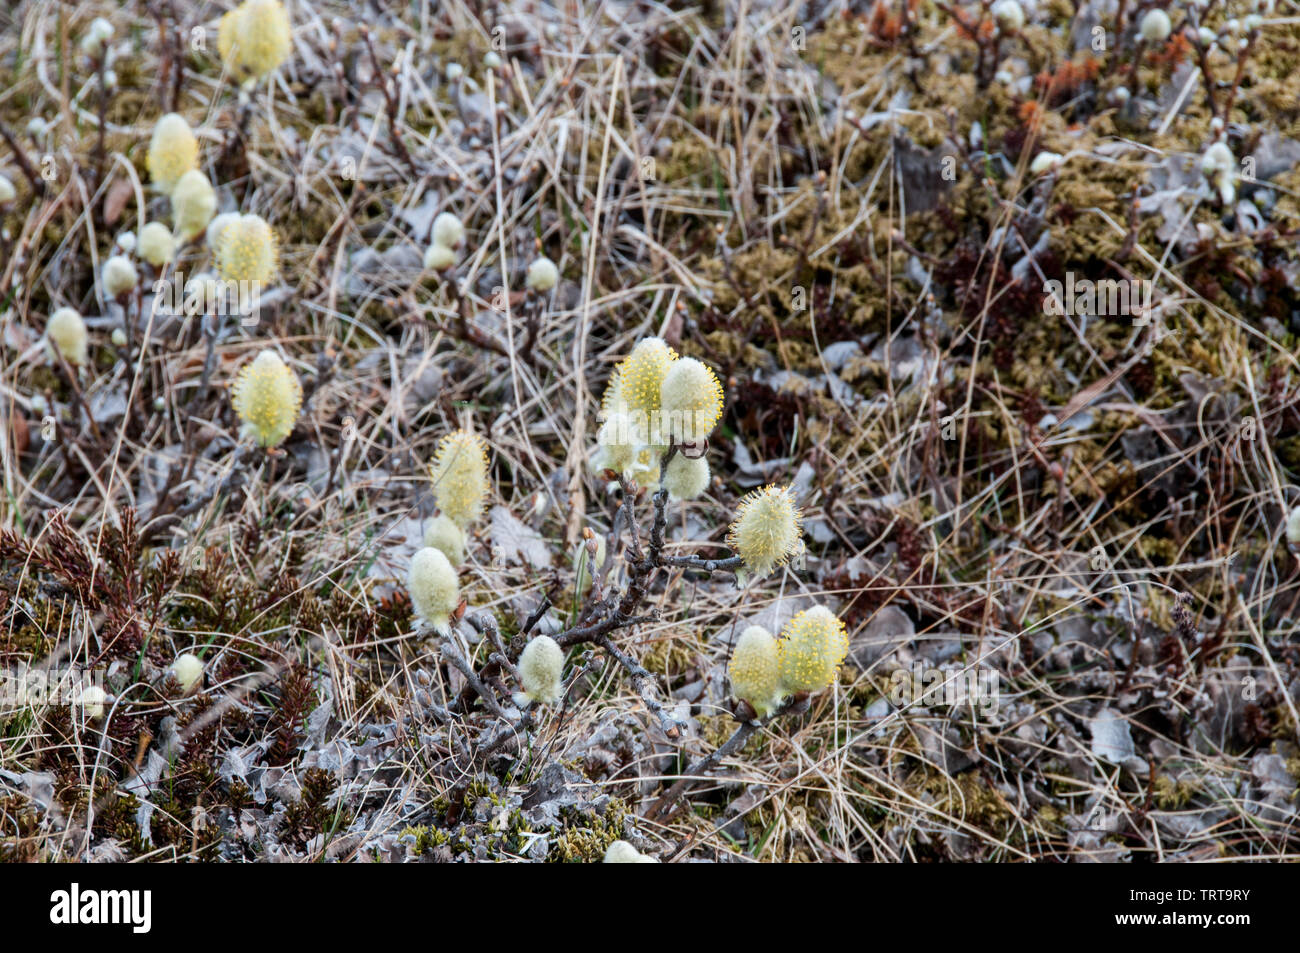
(156, 244)
(811, 649)
(541, 669)
(434, 588)
(1009, 14)
(247, 251)
(685, 477)
(637, 384)
(754, 670)
(448, 230)
(621, 852)
(459, 475)
(194, 202)
(173, 151)
(67, 333)
(187, 670)
(690, 401)
(766, 531)
(254, 38)
(439, 257)
(119, 276)
(267, 397)
(1155, 26)
(1045, 162)
(542, 275)
(444, 535)
(215, 227)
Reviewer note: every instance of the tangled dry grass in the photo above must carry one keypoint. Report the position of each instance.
(833, 206)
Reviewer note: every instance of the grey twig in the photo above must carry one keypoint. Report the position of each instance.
(702, 767)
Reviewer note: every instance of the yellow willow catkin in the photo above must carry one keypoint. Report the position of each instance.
(754, 670)
(194, 202)
(247, 252)
(156, 244)
(212, 235)
(448, 230)
(767, 529)
(636, 386)
(119, 276)
(690, 401)
(811, 649)
(459, 475)
(267, 398)
(542, 275)
(173, 151)
(254, 38)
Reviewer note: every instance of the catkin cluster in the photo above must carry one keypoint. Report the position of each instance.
(460, 485)
(448, 234)
(656, 399)
(765, 671)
